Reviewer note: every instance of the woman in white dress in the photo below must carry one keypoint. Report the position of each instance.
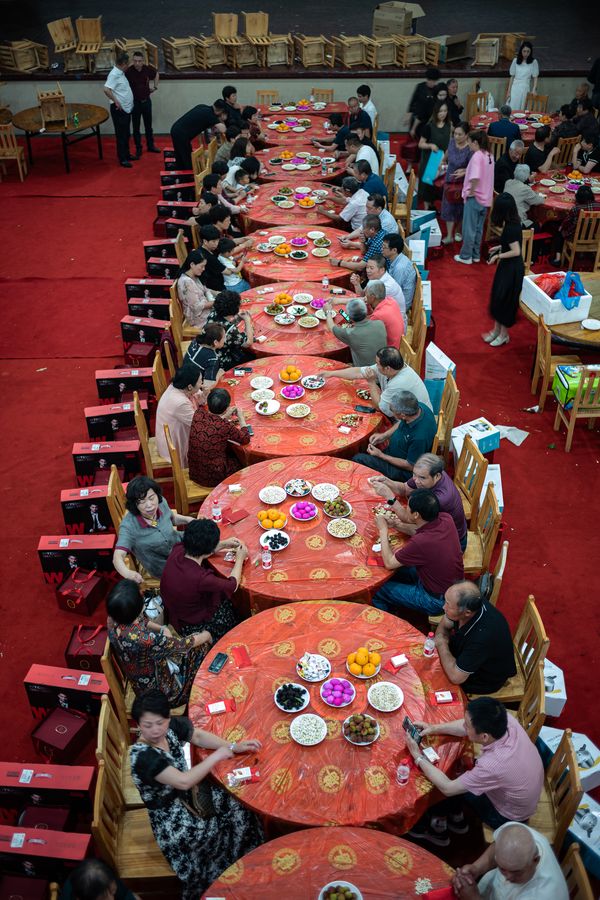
(524, 73)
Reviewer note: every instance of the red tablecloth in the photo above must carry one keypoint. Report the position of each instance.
(322, 113)
(316, 129)
(289, 339)
(263, 212)
(298, 865)
(338, 167)
(280, 434)
(555, 206)
(263, 268)
(527, 135)
(313, 556)
(334, 782)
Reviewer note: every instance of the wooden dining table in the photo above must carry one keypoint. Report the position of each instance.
(89, 119)
(573, 333)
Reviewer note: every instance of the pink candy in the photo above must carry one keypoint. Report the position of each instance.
(318, 303)
(304, 510)
(338, 692)
(293, 391)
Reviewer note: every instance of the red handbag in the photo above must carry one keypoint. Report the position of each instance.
(86, 646)
(80, 592)
(453, 191)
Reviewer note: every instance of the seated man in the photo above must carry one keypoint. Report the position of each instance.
(407, 440)
(365, 337)
(400, 266)
(376, 205)
(384, 309)
(520, 863)
(584, 118)
(503, 786)
(339, 133)
(372, 182)
(373, 234)
(357, 117)
(504, 167)
(504, 127)
(386, 378)
(586, 154)
(427, 565)
(355, 208)
(375, 271)
(363, 94)
(581, 93)
(473, 641)
(539, 156)
(566, 128)
(428, 473)
(524, 195)
(359, 150)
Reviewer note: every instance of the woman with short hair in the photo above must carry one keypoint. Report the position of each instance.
(202, 352)
(226, 312)
(210, 456)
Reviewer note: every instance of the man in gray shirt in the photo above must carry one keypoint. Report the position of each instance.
(524, 195)
(364, 337)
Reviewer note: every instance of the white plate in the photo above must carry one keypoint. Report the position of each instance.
(261, 381)
(264, 248)
(320, 193)
(558, 189)
(289, 487)
(305, 322)
(276, 239)
(297, 310)
(262, 394)
(595, 189)
(299, 721)
(284, 319)
(297, 411)
(286, 204)
(302, 298)
(364, 677)
(390, 684)
(349, 526)
(547, 182)
(308, 382)
(300, 255)
(302, 155)
(300, 708)
(523, 127)
(274, 493)
(326, 670)
(303, 167)
(269, 313)
(298, 128)
(289, 108)
(289, 380)
(288, 167)
(328, 159)
(319, 105)
(346, 884)
(591, 324)
(323, 315)
(303, 189)
(362, 743)
(274, 529)
(338, 515)
(265, 537)
(272, 126)
(313, 235)
(325, 491)
(275, 108)
(320, 252)
(297, 518)
(272, 406)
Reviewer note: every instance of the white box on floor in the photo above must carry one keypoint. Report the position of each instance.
(585, 829)
(494, 476)
(422, 219)
(437, 363)
(418, 250)
(485, 435)
(426, 289)
(553, 311)
(555, 688)
(588, 755)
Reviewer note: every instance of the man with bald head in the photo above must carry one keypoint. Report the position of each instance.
(519, 864)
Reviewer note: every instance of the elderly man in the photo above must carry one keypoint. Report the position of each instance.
(373, 234)
(385, 309)
(355, 209)
(428, 473)
(524, 195)
(505, 165)
(365, 337)
(375, 207)
(520, 863)
(427, 565)
(504, 785)
(386, 378)
(400, 266)
(412, 435)
(504, 127)
(375, 271)
(539, 156)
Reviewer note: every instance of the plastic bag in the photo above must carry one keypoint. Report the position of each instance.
(550, 283)
(571, 291)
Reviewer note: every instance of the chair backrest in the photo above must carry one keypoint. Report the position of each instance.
(53, 891)
(587, 398)
(199, 180)
(199, 160)
(180, 246)
(211, 150)
(544, 346)
(409, 355)
(388, 178)
(267, 98)
(578, 883)
(380, 154)
(417, 304)
(158, 374)
(142, 430)
(111, 744)
(488, 524)
(565, 151)
(117, 683)
(530, 641)
(470, 473)
(527, 249)
(499, 574)
(109, 804)
(374, 131)
(536, 103)
(418, 338)
(562, 778)
(587, 230)
(181, 497)
(438, 440)
(531, 713)
(496, 146)
(115, 496)
(8, 141)
(323, 95)
(169, 358)
(476, 103)
(448, 408)
(176, 316)
(62, 33)
(410, 194)
(89, 31)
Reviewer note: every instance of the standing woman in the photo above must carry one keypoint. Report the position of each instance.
(196, 299)
(508, 280)
(524, 74)
(458, 156)
(477, 193)
(434, 136)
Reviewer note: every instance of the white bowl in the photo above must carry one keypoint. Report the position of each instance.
(362, 743)
(297, 723)
(333, 705)
(313, 235)
(298, 519)
(591, 324)
(346, 884)
(273, 529)
(302, 298)
(271, 408)
(264, 539)
(326, 670)
(285, 397)
(325, 491)
(311, 386)
(276, 496)
(261, 381)
(291, 493)
(364, 677)
(349, 525)
(339, 515)
(297, 411)
(263, 394)
(391, 684)
(284, 319)
(300, 708)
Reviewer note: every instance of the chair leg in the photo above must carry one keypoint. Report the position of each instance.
(544, 392)
(570, 430)
(557, 418)
(536, 374)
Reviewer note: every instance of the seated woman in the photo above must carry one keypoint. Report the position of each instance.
(197, 598)
(584, 199)
(226, 312)
(202, 352)
(198, 825)
(147, 530)
(196, 300)
(210, 456)
(150, 657)
(176, 409)
(257, 135)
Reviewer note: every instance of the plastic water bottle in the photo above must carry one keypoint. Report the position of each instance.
(312, 97)
(325, 283)
(266, 558)
(403, 772)
(216, 511)
(429, 645)
(323, 168)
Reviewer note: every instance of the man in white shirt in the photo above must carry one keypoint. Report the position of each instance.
(375, 271)
(519, 864)
(375, 207)
(364, 98)
(356, 204)
(357, 151)
(118, 90)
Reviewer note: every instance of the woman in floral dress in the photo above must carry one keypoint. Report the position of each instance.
(458, 155)
(226, 312)
(200, 827)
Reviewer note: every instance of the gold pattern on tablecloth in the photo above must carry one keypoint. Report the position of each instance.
(418, 689)
(329, 647)
(285, 861)
(322, 364)
(328, 615)
(277, 576)
(343, 465)
(377, 780)
(233, 874)
(281, 780)
(237, 691)
(384, 730)
(280, 732)
(330, 779)
(423, 785)
(371, 615)
(342, 856)
(307, 440)
(345, 397)
(284, 615)
(398, 860)
(276, 466)
(273, 438)
(318, 574)
(375, 645)
(416, 650)
(334, 729)
(315, 542)
(340, 441)
(234, 734)
(284, 648)
(361, 572)
(448, 869)
(344, 486)
(309, 464)
(427, 688)
(278, 682)
(356, 541)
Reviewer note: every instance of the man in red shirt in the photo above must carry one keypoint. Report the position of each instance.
(139, 76)
(384, 308)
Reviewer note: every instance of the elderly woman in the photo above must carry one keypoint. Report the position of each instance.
(364, 338)
(524, 195)
(458, 155)
(508, 279)
(196, 300)
(226, 312)
(150, 657)
(176, 409)
(200, 827)
(210, 456)
(197, 598)
(147, 529)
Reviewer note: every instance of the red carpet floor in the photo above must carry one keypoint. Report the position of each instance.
(68, 243)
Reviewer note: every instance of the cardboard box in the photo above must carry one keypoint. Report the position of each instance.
(172, 226)
(24, 853)
(566, 381)
(107, 423)
(555, 688)
(162, 268)
(60, 554)
(175, 209)
(493, 476)
(55, 818)
(89, 458)
(37, 784)
(396, 18)
(113, 384)
(85, 510)
(159, 248)
(485, 435)
(418, 249)
(588, 755)
(138, 330)
(422, 219)
(454, 46)
(62, 735)
(426, 290)
(52, 687)
(437, 364)
(585, 829)
(148, 287)
(149, 307)
(553, 311)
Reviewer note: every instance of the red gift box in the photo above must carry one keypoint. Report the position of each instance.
(62, 735)
(108, 423)
(49, 687)
(115, 385)
(85, 648)
(160, 248)
(22, 888)
(48, 855)
(55, 818)
(81, 592)
(61, 554)
(148, 287)
(102, 476)
(88, 458)
(175, 209)
(176, 176)
(182, 191)
(36, 783)
(85, 510)
(172, 226)
(138, 354)
(162, 268)
(149, 307)
(145, 331)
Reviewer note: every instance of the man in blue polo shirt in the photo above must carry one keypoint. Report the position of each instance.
(504, 127)
(372, 183)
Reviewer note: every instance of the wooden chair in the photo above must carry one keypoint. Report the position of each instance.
(211, 150)
(578, 883)
(169, 358)
(448, 408)
(188, 332)
(115, 498)
(10, 150)
(374, 132)
(496, 146)
(412, 352)
(560, 795)
(545, 363)
(586, 405)
(267, 98)
(536, 103)
(121, 692)
(402, 211)
(498, 574)
(438, 440)
(416, 305)
(469, 476)
(322, 95)
(531, 713)
(380, 155)
(54, 889)
(585, 240)
(527, 249)
(199, 180)
(388, 178)
(124, 839)
(180, 247)
(187, 492)
(199, 160)
(112, 749)
(482, 539)
(158, 375)
(476, 103)
(565, 151)
(152, 458)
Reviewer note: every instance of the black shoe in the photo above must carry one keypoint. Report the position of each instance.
(458, 824)
(138, 152)
(154, 149)
(426, 833)
(126, 164)
(131, 158)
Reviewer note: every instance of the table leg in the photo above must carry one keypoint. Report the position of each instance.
(99, 139)
(65, 144)
(29, 153)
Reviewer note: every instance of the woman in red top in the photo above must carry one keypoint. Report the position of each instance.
(210, 457)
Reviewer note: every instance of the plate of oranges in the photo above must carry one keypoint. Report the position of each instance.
(271, 518)
(290, 374)
(363, 663)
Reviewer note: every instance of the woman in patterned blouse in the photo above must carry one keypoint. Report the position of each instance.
(196, 300)
(226, 312)
(210, 456)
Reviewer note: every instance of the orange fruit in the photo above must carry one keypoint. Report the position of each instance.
(362, 656)
(355, 669)
(351, 658)
(283, 375)
(374, 658)
(273, 513)
(262, 515)
(368, 669)
(279, 523)
(268, 523)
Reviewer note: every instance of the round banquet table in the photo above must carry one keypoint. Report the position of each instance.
(322, 113)
(571, 332)
(280, 434)
(334, 782)
(277, 173)
(484, 120)
(555, 206)
(296, 866)
(90, 117)
(275, 138)
(263, 268)
(263, 212)
(346, 568)
(288, 339)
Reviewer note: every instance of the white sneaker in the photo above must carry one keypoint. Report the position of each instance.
(498, 341)
(447, 240)
(458, 236)
(465, 262)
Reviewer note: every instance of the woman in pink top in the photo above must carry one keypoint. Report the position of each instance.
(196, 300)
(478, 192)
(176, 409)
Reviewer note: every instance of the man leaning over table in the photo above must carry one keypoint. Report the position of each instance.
(118, 91)
(365, 337)
(355, 208)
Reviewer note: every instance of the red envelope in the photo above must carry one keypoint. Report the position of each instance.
(376, 561)
(445, 893)
(231, 516)
(241, 657)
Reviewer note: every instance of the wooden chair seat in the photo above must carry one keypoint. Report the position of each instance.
(511, 692)
(135, 832)
(158, 461)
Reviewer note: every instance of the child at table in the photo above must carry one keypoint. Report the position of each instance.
(232, 274)
(237, 187)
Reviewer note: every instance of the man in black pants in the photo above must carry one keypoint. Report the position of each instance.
(200, 118)
(119, 92)
(139, 76)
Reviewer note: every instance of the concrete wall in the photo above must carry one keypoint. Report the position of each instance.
(391, 95)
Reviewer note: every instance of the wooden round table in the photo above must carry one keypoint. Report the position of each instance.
(6, 116)
(296, 866)
(263, 213)
(90, 118)
(572, 333)
(556, 205)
